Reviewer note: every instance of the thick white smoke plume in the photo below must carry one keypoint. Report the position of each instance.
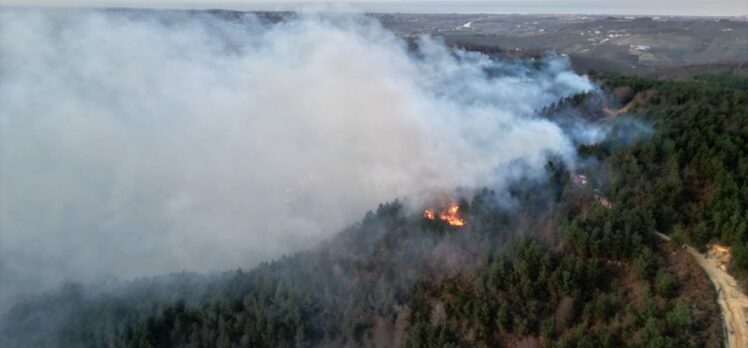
(136, 143)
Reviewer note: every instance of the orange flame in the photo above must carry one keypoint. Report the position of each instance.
(450, 215)
(429, 214)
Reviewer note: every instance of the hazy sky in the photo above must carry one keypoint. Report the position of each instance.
(637, 7)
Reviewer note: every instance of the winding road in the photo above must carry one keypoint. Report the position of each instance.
(732, 301)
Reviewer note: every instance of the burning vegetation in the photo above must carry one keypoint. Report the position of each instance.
(450, 214)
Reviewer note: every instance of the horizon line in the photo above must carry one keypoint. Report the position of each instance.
(368, 7)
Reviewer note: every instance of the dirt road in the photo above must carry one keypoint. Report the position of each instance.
(733, 302)
(611, 113)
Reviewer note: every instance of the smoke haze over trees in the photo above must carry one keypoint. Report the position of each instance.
(141, 142)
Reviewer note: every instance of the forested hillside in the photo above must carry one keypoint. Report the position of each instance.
(691, 176)
(566, 264)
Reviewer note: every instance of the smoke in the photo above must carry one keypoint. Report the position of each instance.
(141, 142)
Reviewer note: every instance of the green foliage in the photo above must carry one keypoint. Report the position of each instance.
(387, 279)
(693, 170)
(677, 237)
(679, 319)
(424, 335)
(740, 255)
(644, 265)
(665, 284)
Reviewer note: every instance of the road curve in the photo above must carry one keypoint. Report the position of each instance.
(732, 301)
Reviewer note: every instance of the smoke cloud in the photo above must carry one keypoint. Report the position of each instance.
(141, 142)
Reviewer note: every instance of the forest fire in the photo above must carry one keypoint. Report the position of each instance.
(450, 215)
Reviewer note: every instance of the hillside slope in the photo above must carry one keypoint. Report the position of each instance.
(559, 267)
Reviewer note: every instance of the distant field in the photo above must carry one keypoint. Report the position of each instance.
(639, 45)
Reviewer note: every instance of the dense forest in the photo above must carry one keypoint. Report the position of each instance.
(564, 264)
(691, 175)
